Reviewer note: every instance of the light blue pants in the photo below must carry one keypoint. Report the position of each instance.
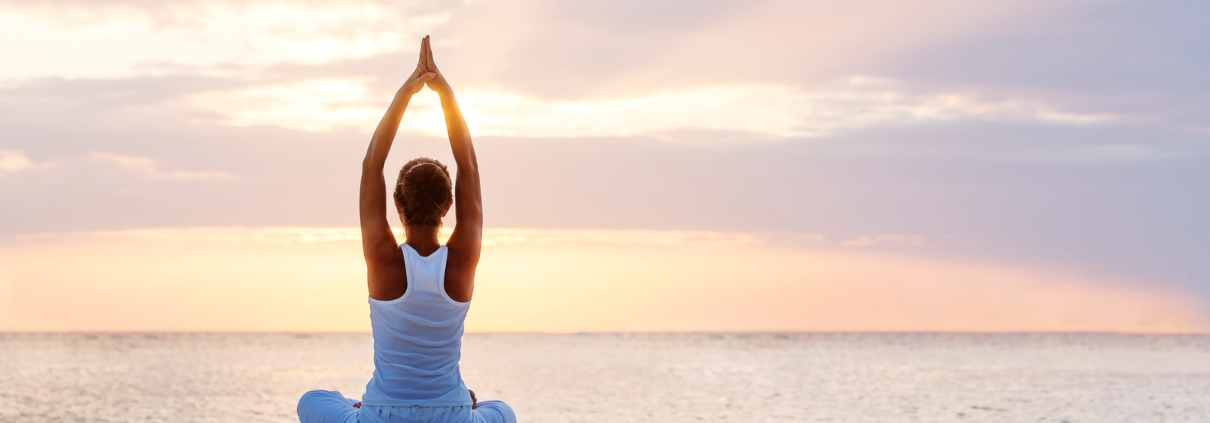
(332, 407)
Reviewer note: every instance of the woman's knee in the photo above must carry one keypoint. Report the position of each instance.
(314, 397)
(494, 412)
(310, 400)
(321, 406)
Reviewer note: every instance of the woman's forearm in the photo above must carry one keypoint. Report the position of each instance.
(467, 192)
(384, 135)
(373, 185)
(459, 134)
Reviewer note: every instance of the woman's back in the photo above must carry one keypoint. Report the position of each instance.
(418, 339)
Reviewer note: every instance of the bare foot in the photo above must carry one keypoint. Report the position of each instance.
(474, 402)
(358, 405)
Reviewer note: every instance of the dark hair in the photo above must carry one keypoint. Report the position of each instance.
(424, 189)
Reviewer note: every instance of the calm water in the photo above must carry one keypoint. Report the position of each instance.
(627, 378)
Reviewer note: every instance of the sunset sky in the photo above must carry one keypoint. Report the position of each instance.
(647, 165)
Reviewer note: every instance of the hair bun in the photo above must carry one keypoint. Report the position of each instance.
(424, 190)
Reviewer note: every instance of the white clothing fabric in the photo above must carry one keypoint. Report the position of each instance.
(418, 340)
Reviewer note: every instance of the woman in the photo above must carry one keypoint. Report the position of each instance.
(420, 290)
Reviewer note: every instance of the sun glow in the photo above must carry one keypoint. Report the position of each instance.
(424, 115)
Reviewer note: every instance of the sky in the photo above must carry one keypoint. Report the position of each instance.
(647, 165)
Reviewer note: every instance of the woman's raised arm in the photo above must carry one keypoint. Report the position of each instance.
(467, 240)
(383, 260)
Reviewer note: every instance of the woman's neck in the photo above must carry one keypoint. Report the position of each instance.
(422, 238)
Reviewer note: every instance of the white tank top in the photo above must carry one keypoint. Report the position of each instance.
(418, 339)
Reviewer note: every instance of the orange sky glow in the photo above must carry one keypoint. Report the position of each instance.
(312, 279)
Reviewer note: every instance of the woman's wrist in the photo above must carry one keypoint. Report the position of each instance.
(404, 93)
(444, 91)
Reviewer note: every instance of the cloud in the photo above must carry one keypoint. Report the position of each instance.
(537, 51)
(208, 37)
(312, 105)
(16, 161)
(232, 235)
(491, 236)
(147, 167)
(773, 110)
(871, 240)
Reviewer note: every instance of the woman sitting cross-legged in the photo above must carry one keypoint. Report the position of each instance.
(420, 290)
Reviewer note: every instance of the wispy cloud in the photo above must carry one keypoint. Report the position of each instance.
(232, 235)
(892, 239)
(491, 236)
(16, 161)
(773, 110)
(147, 167)
(313, 105)
(497, 236)
(212, 37)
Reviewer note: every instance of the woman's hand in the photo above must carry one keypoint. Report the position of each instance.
(437, 83)
(421, 75)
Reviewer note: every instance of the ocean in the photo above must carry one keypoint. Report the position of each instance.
(567, 378)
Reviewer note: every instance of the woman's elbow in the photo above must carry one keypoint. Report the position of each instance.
(368, 164)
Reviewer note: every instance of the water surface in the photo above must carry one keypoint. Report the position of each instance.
(242, 378)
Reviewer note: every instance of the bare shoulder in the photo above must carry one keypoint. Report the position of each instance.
(460, 266)
(386, 273)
